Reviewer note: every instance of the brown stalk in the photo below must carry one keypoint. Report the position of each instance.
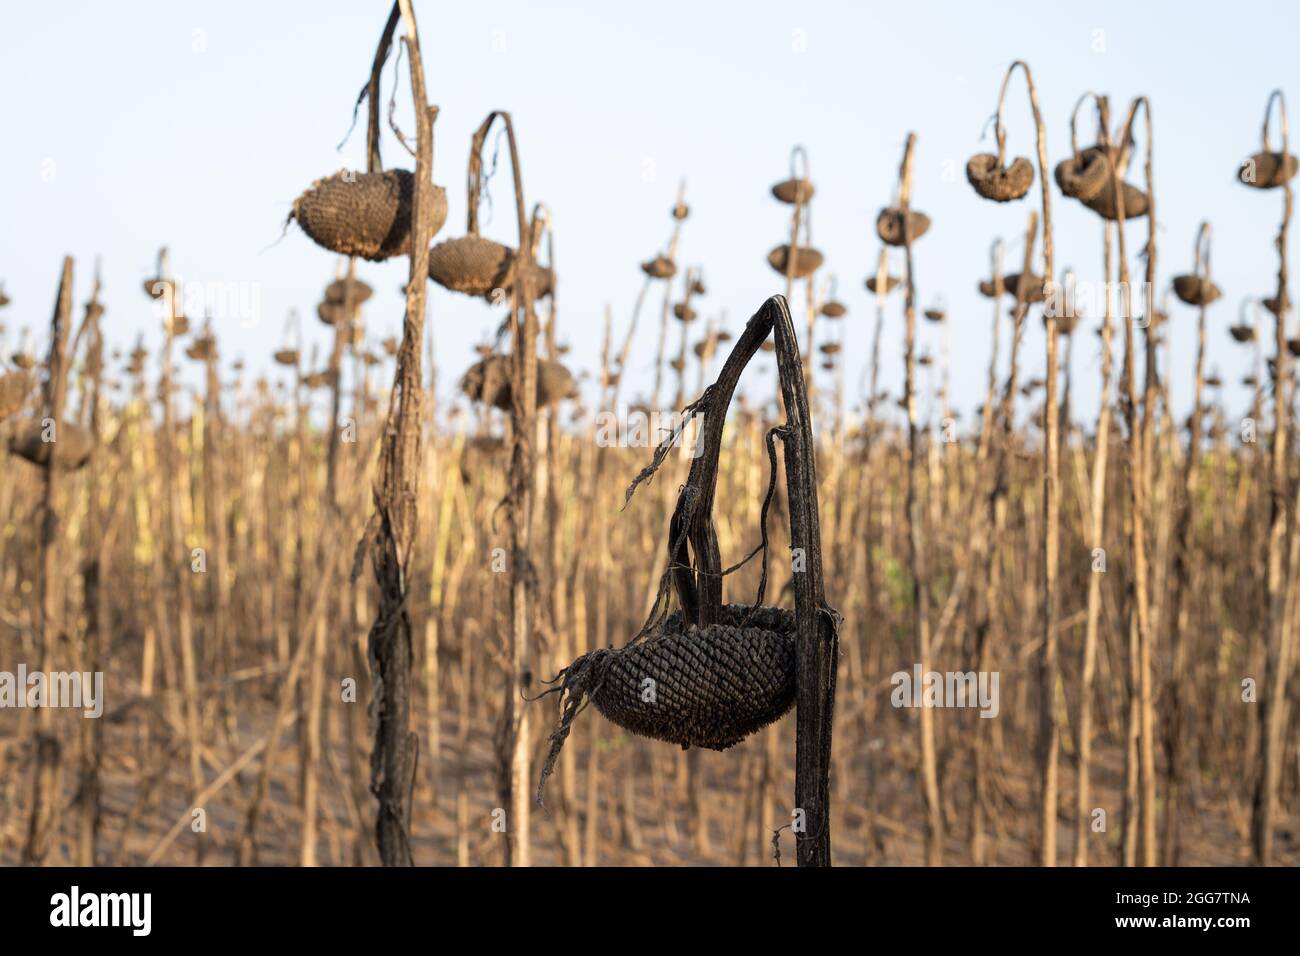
(1281, 577)
(980, 551)
(1049, 666)
(916, 533)
(796, 222)
(90, 787)
(1139, 793)
(179, 561)
(43, 822)
(1095, 541)
(663, 313)
(995, 521)
(513, 782)
(1147, 632)
(1180, 601)
(699, 583)
(218, 635)
(396, 497)
(866, 482)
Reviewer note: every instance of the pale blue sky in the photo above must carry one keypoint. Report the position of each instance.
(195, 124)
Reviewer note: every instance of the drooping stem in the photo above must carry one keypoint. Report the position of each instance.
(817, 623)
(513, 782)
(1048, 664)
(1282, 515)
(396, 496)
(1139, 624)
(1146, 631)
(1049, 667)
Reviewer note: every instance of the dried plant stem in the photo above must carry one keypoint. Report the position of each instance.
(663, 313)
(1179, 598)
(986, 526)
(396, 498)
(1049, 666)
(916, 549)
(1147, 632)
(995, 523)
(180, 562)
(309, 750)
(1139, 625)
(1146, 628)
(98, 609)
(1096, 539)
(988, 412)
(866, 481)
(1280, 577)
(316, 671)
(818, 623)
(43, 822)
(513, 776)
(219, 636)
(437, 585)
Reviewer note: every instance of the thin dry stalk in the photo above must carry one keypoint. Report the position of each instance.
(1180, 599)
(391, 538)
(916, 534)
(1096, 529)
(1280, 577)
(98, 608)
(1139, 787)
(1049, 666)
(43, 822)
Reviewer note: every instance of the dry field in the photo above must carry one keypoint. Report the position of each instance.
(324, 614)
